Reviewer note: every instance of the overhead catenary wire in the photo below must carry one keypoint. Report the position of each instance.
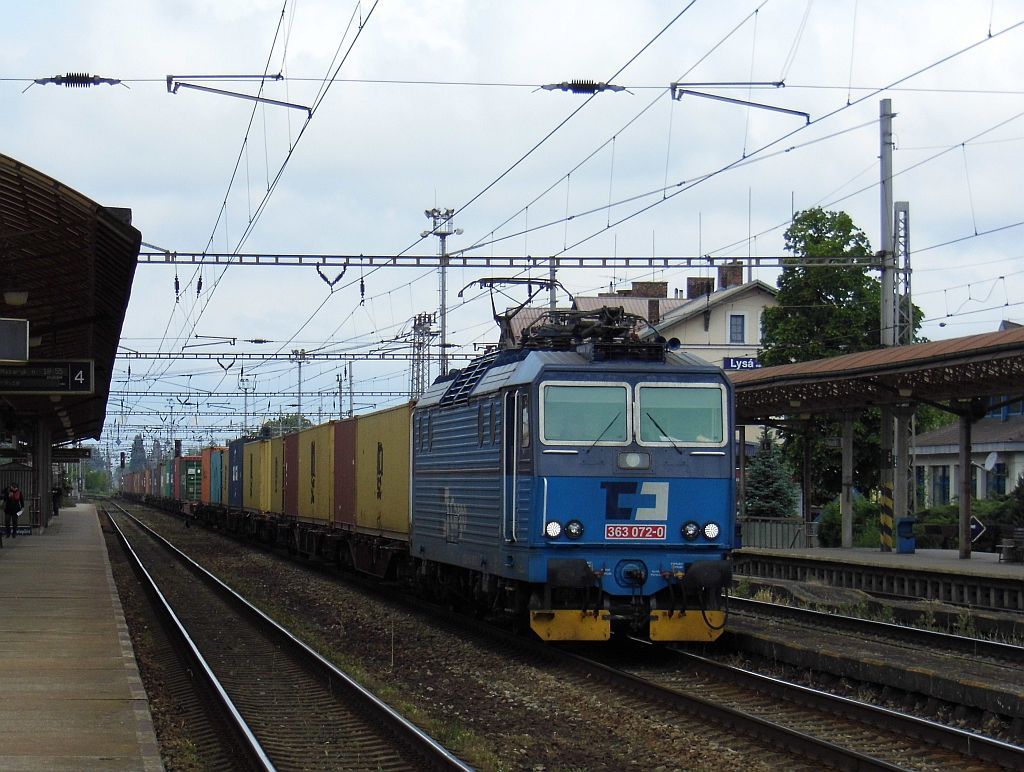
(292, 145)
(538, 144)
(684, 186)
(564, 239)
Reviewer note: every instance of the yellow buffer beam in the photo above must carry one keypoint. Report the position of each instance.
(677, 626)
(571, 625)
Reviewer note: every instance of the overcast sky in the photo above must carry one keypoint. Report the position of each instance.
(433, 102)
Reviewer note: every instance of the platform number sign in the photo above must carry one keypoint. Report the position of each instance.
(46, 376)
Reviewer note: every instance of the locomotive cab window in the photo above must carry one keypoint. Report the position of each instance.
(585, 414)
(681, 414)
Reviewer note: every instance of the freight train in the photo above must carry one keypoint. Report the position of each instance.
(583, 480)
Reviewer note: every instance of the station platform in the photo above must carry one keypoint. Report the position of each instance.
(944, 561)
(70, 693)
(981, 581)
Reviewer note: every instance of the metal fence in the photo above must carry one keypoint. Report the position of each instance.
(777, 532)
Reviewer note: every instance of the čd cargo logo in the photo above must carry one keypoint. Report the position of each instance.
(640, 508)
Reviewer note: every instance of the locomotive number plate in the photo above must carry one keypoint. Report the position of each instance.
(634, 532)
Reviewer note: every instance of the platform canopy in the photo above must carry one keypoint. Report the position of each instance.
(947, 372)
(66, 265)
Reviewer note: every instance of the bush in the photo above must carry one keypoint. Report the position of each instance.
(866, 523)
(1000, 515)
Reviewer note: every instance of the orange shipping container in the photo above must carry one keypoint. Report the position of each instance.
(382, 472)
(206, 493)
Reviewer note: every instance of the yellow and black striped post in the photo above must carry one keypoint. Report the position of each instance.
(886, 518)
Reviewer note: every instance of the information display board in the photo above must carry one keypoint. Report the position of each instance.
(48, 376)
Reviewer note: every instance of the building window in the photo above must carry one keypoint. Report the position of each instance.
(940, 485)
(736, 328)
(997, 480)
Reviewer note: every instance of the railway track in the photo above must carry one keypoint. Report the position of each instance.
(742, 718)
(979, 674)
(871, 737)
(291, 709)
(994, 652)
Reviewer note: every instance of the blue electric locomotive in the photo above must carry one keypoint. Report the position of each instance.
(583, 476)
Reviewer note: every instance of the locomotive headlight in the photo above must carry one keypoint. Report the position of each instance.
(634, 460)
(553, 529)
(574, 529)
(691, 531)
(711, 530)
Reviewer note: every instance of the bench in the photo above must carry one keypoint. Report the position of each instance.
(1012, 550)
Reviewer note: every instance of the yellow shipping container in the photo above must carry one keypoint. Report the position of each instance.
(316, 473)
(256, 483)
(277, 473)
(382, 471)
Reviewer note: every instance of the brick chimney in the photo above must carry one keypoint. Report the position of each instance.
(653, 311)
(650, 289)
(697, 286)
(730, 275)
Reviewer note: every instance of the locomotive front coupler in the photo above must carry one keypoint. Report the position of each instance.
(673, 582)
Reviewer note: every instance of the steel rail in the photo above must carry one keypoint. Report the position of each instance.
(430, 750)
(950, 738)
(254, 752)
(776, 734)
(931, 639)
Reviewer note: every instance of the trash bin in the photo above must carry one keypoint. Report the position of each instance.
(906, 544)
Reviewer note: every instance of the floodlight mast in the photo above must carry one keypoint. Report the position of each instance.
(246, 383)
(442, 228)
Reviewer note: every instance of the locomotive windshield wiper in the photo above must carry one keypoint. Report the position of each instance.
(604, 431)
(667, 435)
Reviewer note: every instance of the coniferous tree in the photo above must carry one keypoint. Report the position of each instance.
(770, 491)
(138, 460)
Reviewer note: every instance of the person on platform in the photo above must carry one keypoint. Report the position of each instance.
(14, 503)
(55, 497)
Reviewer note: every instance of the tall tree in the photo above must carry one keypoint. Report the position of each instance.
(285, 424)
(829, 308)
(138, 459)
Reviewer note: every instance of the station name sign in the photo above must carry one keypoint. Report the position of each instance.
(740, 363)
(48, 376)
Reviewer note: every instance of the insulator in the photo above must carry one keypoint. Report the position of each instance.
(584, 86)
(78, 80)
(177, 288)
(199, 286)
(362, 292)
